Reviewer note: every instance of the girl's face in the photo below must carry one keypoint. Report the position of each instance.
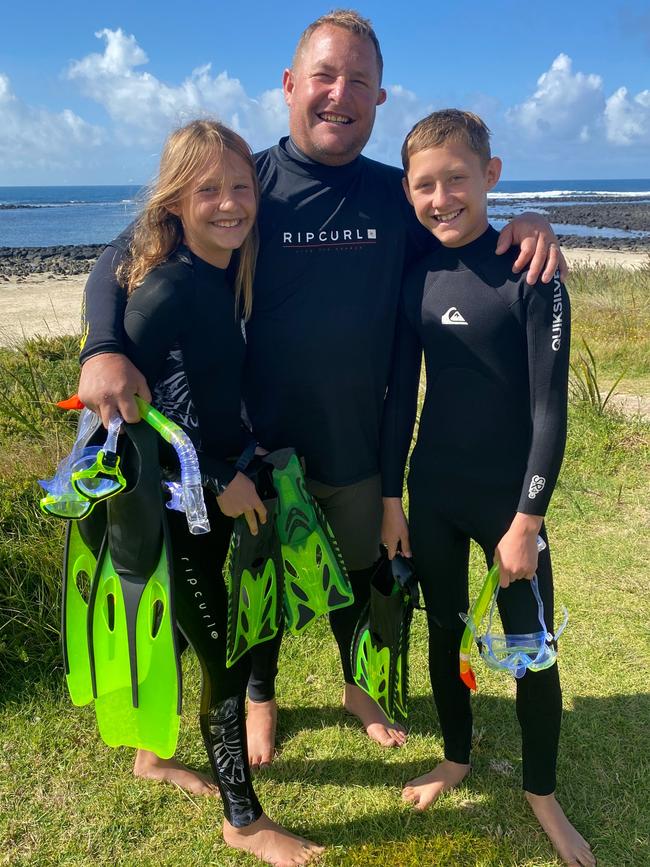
(218, 209)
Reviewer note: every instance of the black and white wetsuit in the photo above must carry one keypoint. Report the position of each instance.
(181, 330)
(334, 242)
(490, 443)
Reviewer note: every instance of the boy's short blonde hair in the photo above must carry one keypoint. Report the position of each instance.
(448, 125)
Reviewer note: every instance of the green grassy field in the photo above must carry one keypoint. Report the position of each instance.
(65, 798)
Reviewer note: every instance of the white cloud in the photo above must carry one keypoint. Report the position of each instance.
(34, 138)
(394, 119)
(567, 120)
(567, 105)
(628, 120)
(144, 109)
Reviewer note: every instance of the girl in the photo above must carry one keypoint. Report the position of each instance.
(184, 330)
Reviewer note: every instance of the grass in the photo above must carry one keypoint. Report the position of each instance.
(65, 798)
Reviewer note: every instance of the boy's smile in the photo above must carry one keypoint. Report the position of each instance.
(448, 188)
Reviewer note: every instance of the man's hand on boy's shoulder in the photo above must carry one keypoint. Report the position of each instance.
(539, 248)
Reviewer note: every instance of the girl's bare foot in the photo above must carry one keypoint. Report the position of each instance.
(425, 790)
(149, 766)
(371, 717)
(569, 844)
(261, 720)
(271, 843)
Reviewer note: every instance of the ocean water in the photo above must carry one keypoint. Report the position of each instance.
(50, 216)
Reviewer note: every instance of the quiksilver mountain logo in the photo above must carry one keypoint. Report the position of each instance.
(556, 328)
(453, 317)
(329, 238)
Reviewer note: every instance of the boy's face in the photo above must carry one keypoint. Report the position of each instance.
(448, 188)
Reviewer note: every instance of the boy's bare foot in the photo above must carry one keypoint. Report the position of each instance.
(569, 844)
(261, 720)
(425, 790)
(271, 843)
(149, 766)
(371, 717)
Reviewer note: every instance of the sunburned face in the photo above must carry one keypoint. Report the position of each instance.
(448, 188)
(218, 209)
(332, 94)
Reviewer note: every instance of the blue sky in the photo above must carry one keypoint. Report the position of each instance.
(88, 91)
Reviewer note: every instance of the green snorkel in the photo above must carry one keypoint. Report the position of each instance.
(192, 489)
(84, 478)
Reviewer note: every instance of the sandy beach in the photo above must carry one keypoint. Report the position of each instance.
(49, 303)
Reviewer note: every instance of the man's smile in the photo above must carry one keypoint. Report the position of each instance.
(332, 117)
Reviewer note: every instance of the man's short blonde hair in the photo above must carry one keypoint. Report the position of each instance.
(348, 19)
(448, 125)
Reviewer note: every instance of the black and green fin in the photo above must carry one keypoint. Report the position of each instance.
(253, 577)
(315, 578)
(134, 663)
(381, 639)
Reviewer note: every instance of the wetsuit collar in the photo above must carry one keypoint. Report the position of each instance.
(297, 161)
(474, 252)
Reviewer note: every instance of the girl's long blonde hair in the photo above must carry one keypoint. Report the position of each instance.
(158, 232)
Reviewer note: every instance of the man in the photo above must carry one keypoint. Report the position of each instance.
(336, 234)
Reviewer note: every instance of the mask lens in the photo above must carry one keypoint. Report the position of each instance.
(66, 506)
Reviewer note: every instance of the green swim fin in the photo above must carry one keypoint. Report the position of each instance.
(253, 575)
(381, 639)
(315, 578)
(134, 662)
(82, 543)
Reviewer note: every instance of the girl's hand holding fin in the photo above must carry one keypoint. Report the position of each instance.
(241, 498)
(394, 528)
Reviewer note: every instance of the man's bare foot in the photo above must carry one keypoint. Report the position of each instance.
(569, 844)
(425, 790)
(372, 718)
(261, 720)
(149, 766)
(271, 843)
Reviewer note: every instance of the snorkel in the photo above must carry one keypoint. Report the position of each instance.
(80, 487)
(192, 489)
(513, 653)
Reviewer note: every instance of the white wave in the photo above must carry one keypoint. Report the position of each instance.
(564, 194)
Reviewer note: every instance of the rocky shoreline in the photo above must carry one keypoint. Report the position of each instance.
(79, 259)
(63, 260)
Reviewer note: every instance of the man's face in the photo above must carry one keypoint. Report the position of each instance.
(448, 188)
(332, 94)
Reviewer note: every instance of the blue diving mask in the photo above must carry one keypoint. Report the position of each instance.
(517, 653)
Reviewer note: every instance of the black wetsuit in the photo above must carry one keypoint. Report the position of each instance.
(490, 443)
(181, 331)
(334, 242)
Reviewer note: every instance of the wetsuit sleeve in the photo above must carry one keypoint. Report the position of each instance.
(548, 334)
(153, 324)
(400, 406)
(103, 307)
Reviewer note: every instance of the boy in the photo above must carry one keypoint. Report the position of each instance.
(489, 449)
